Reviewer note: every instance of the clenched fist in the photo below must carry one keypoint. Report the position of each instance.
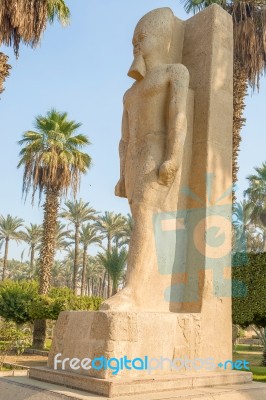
(167, 172)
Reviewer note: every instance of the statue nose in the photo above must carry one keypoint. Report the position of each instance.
(136, 49)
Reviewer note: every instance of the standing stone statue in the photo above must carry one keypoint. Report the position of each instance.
(176, 131)
(154, 128)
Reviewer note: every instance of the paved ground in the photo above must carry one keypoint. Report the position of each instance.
(12, 391)
(23, 388)
(28, 360)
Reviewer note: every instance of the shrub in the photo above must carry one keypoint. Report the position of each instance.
(16, 298)
(250, 308)
(61, 299)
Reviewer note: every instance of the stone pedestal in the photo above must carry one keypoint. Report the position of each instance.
(82, 334)
(171, 385)
(163, 338)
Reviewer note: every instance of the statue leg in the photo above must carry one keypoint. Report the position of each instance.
(141, 262)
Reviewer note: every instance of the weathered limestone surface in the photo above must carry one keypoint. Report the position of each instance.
(80, 334)
(173, 383)
(175, 154)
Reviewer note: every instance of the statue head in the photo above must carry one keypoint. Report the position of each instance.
(152, 40)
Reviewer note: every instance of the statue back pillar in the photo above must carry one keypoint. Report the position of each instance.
(208, 55)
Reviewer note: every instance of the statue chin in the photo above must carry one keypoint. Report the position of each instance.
(137, 70)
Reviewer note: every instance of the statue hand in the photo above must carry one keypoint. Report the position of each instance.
(167, 172)
(120, 189)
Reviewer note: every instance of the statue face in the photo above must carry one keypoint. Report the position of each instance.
(151, 41)
(145, 43)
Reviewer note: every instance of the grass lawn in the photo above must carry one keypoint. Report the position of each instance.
(4, 368)
(48, 343)
(259, 372)
(249, 348)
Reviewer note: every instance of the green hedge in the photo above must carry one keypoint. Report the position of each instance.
(249, 289)
(16, 298)
(20, 302)
(50, 307)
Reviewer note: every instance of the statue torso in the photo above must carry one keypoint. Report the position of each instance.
(147, 102)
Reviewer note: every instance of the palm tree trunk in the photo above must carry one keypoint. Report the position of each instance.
(75, 274)
(104, 283)
(115, 289)
(240, 88)
(264, 241)
(92, 286)
(84, 266)
(48, 248)
(5, 259)
(88, 287)
(46, 258)
(32, 255)
(39, 332)
(100, 288)
(109, 289)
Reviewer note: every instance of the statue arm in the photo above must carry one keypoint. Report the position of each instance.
(177, 123)
(120, 189)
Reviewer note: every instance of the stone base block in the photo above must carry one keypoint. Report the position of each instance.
(85, 334)
(118, 387)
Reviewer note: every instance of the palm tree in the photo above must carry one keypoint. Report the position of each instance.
(4, 70)
(114, 262)
(60, 274)
(110, 224)
(9, 231)
(122, 237)
(88, 235)
(61, 235)
(53, 162)
(249, 54)
(256, 194)
(77, 212)
(32, 236)
(69, 266)
(18, 270)
(24, 21)
(94, 275)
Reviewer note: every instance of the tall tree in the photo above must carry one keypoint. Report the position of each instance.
(62, 235)
(88, 235)
(114, 262)
(53, 163)
(122, 237)
(77, 212)
(69, 266)
(24, 21)
(110, 224)
(249, 54)
(4, 70)
(9, 230)
(247, 233)
(32, 236)
(256, 194)
(94, 275)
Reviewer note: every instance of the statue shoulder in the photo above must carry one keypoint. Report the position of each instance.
(178, 72)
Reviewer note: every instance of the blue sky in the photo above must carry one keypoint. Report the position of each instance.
(82, 69)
